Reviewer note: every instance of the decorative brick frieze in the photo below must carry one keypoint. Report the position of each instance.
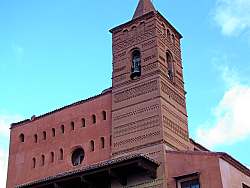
(129, 81)
(120, 78)
(140, 147)
(177, 117)
(172, 94)
(174, 127)
(136, 91)
(173, 139)
(136, 126)
(149, 58)
(136, 112)
(134, 140)
(149, 67)
(117, 70)
(136, 39)
(117, 57)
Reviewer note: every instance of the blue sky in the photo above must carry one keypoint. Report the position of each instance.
(53, 53)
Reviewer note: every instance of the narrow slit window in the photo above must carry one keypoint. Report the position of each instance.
(34, 163)
(173, 38)
(102, 142)
(62, 129)
(92, 146)
(44, 135)
(83, 122)
(42, 160)
(61, 154)
(72, 124)
(52, 157)
(93, 119)
(164, 29)
(168, 34)
(53, 132)
(35, 138)
(104, 115)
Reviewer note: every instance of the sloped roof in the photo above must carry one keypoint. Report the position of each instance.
(144, 7)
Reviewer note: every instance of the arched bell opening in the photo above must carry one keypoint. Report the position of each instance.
(136, 64)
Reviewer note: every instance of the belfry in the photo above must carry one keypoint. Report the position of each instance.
(132, 135)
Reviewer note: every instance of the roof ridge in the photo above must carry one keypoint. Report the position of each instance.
(34, 118)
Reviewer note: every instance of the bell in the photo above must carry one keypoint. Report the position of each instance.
(136, 69)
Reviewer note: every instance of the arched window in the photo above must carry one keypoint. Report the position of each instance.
(35, 138)
(34, 163)
(93, 119)
(142, 27)
(170, 68)
(52, 157)
(173, 38)
(77, 156)
(42, 160)
(136, 64)
(163, 29)
(62, 129)
(53, 132)
(21, 137)
(125, 34)
(72, 124)
(61, 154)
(102, 142)
(92, 146)
(104, 115)
(133, 31)
(168, 34)
(44, 135)
(83, 122)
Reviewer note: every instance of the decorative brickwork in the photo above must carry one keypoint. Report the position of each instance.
(175, 128)
(172, 94)
(136, 112)
(134, 140)
(136, 91)
(137, 126)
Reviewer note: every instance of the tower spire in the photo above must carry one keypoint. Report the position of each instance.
(143, 7)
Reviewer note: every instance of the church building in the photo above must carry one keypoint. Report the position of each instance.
(132, 135)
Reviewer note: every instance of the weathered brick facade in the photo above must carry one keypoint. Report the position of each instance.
(144, 112)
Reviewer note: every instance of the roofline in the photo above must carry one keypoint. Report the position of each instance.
(149, 14)
(221, 155)
(199, 145)
(20, 123)
(92, 167)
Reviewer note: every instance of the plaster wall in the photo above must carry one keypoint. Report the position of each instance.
(232, 177)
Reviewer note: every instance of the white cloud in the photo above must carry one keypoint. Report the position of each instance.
(231, 116)
(232, 16)
(5, 121)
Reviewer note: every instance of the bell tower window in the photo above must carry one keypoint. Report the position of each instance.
(136, 65)
(170, 67)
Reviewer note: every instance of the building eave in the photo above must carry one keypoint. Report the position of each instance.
(34, 118)
(92, 169)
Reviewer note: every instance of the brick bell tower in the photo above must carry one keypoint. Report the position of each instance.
(148, 97)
